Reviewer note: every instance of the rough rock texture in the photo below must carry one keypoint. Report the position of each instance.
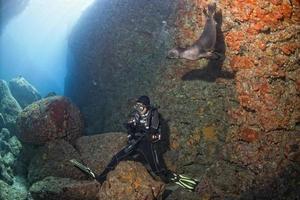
(262, 49)
(10, 148)
(23, 91)
(181, 193)
(9, 107)
(130, 181)
(96, 151)
(15, 192)
(267, 69)
(48, 119)
(53, 188)
(52, 159)
(233, 121)
(5, 134)
(2, 121)
(119, 58)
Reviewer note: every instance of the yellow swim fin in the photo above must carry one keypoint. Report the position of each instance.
(185, 182)
(83, 168)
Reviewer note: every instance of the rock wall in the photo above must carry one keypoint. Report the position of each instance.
(9, 9)
(232, 122)
(120, 58)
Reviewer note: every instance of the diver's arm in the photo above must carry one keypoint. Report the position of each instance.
(154, 128)
(131, 124)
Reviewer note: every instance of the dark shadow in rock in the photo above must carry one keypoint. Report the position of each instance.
(213, 70)
(285, 185)
(209, 73)
(165, 131)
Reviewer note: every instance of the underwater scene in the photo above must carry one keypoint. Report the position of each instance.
(149, 100)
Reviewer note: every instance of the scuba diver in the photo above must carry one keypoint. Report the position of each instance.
(144, 138)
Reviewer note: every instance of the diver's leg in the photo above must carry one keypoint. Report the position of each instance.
(114, 161)
(154, 159)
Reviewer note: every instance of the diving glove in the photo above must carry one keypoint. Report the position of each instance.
(184, 181)
(83, 168)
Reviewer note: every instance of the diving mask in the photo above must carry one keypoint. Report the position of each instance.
(139, 107)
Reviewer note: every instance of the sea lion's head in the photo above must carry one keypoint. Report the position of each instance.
(173, 53)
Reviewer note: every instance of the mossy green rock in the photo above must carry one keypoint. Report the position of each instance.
(9, 107)
(2, 121)
(15, 145)
(15, 192)
(5, 134)
(8, 159)
(23, 91)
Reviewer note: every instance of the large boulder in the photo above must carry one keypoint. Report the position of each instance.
(23, 91)
(52, 159)
(131, 181)
(97, 150)
(53, 188)
(9, 107)
(48, 119)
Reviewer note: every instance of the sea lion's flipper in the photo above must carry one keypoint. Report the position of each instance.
(211, 10)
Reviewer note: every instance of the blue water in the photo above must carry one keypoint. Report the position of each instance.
(34, 44)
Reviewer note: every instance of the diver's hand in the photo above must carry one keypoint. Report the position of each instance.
(155, 137)
(129, 137)
(132, 121)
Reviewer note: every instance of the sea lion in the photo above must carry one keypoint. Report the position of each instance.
(204, 46)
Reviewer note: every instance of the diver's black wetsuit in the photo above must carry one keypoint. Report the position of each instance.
(141, 131)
